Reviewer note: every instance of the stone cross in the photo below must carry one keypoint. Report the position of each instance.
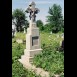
(32, 10)
(33, 43)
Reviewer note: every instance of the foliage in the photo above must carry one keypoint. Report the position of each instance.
(50, 59)
(17, 68)
(20, 35)
(47, 38)
(19, 71)
(47, 28)
(40, 25)
(55, 18)
(20, 18)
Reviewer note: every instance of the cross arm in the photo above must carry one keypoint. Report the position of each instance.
(28, 10)
(37, 10)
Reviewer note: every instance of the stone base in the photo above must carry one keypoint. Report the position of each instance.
(28, 55)
(33, 68)
(32, 53)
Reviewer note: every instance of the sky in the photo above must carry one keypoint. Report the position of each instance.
(42, 5)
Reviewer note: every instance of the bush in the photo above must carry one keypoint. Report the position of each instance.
(50, 59)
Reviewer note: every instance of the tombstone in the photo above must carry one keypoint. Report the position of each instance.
(24, 29)
(62, 45)
(14, 31)
(62, 42)
(51, 32)
(33, 45)
(62, 35)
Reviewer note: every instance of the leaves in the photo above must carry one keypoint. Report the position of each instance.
(50, 59)
(55, 18)
(40, 25)
(20, 18)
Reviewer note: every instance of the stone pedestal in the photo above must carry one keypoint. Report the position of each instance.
(33, 46)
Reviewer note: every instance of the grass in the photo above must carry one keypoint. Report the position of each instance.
(50, 59)
(17, 68)
(20, 35)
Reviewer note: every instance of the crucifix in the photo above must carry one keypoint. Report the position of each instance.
(32, 10)
(33, 45)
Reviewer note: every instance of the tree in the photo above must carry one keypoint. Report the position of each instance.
(47, 27)
(20, 18)
(40, 25)
(55, 18)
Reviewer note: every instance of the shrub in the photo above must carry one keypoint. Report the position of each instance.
(50, 60)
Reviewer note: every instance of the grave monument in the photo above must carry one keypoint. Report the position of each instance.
(33, 45)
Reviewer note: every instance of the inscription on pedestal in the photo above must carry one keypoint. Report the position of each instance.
(35, 40)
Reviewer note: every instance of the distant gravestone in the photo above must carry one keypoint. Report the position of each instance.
(24, 30)
(51, 32)
(62, 45)
(62, 35)
(14, 31)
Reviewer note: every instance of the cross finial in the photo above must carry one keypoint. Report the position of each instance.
(33, 3)
(32, 10)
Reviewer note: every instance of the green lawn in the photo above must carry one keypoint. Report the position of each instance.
(50, 59)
